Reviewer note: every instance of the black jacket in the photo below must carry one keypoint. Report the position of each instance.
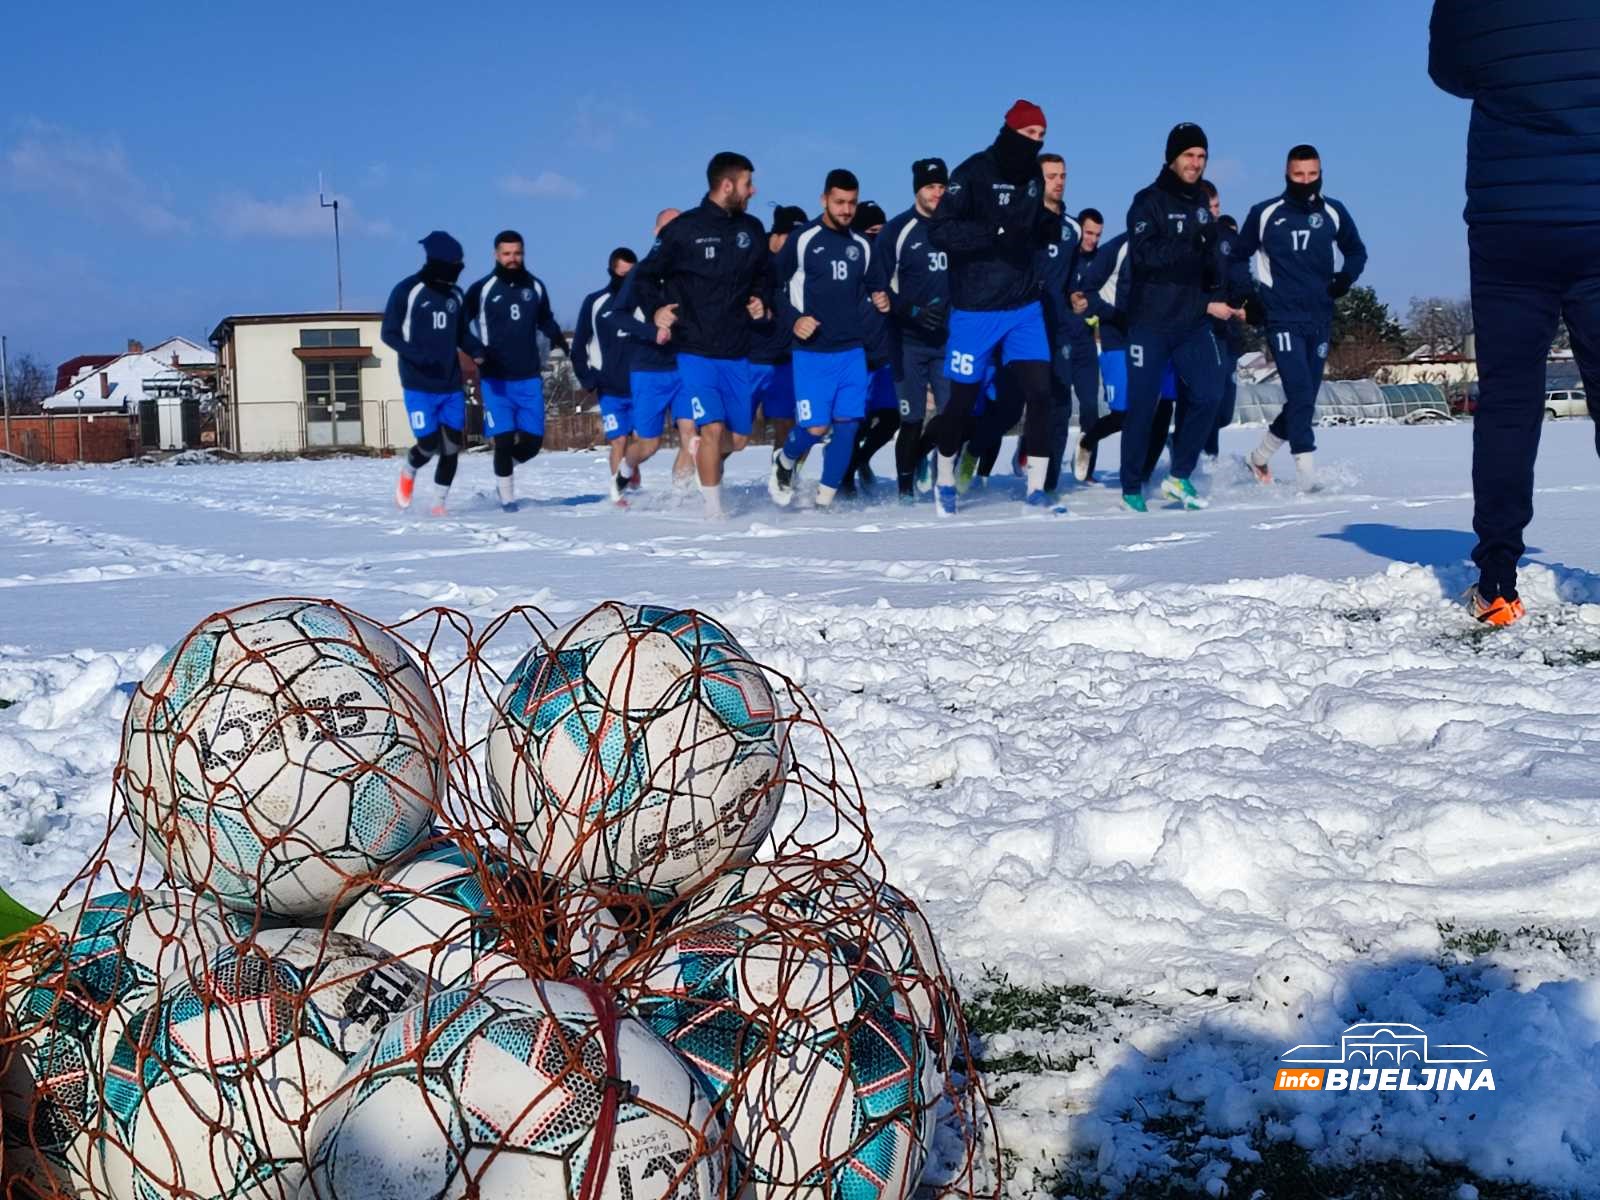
(708, 262)
(1172, 248)
(992, 231)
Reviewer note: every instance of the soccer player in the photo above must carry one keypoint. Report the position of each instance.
(1290, 241)
(883, 404)
(702, 280)
(1172, 242)
(600, 361)
(508, 309)
(654, 388)
(1076, 373)
(1533, 238)
(771, 366)
(991, 222)
(422, 324)
(1231, 335)
(914, 274)
(822, 276)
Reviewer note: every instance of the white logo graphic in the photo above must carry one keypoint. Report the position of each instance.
(818, 249)
(1203, 215)
(527, 293)
(1141, 227)
(1033, 188)
(1384, 1056)
(852, 252)
(1315, 221)
(1227, 249)
(1279, 221)
(742, 241)
(450, 304)
(1322, 350)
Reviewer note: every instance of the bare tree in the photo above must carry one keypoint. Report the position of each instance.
(1439, 323)
(28, 382)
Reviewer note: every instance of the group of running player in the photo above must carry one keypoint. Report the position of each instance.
(982, 303)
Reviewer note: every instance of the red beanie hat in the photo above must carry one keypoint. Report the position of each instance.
(1024, 113)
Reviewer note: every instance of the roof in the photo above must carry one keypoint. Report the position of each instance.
(68, 371)
(220, 333)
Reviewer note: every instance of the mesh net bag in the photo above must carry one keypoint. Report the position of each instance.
(429, 909)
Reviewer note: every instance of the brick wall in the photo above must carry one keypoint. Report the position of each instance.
(98, 437)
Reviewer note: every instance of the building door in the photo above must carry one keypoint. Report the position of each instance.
(333, 403)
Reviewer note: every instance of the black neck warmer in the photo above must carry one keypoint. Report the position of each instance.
(1018, 156)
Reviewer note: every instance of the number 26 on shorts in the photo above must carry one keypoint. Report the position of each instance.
(961, 364)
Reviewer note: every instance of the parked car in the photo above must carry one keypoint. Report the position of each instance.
(1568, 402)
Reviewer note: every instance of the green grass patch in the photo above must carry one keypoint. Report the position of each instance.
(1001, 1006)
(1472, 941)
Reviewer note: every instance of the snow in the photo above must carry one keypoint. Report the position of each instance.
(1249, 774)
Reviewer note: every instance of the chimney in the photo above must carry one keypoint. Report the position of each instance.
(105, 387)
(174, 358)
(135, 346)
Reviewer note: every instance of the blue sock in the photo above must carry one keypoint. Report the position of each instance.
(798, 443)
(836, 458)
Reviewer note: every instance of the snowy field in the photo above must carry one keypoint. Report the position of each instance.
(1178, 792)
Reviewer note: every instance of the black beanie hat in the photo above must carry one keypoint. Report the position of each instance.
(1186, 136)
(928, 170)
(869, 215)
(788, 217)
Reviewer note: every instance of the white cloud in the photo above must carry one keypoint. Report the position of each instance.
(293, 217)
(93, 175)
(597, 120)
(546, 185)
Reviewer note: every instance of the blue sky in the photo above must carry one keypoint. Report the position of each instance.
(158, 172)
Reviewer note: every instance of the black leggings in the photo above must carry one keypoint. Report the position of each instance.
(1032, 381)
(877, 431)
(1112, 423)
(513, 448)
(446, 443)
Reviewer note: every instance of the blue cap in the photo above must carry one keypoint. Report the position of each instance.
(440, 245)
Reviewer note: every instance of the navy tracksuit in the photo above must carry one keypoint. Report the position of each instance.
(1172, 249)
(422, 324)
(599, 358)
(709, 263)
(1290, 243)
(508, 310)
(915, 273)
(1532, 71)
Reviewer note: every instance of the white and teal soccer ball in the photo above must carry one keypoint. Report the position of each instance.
(499, 1093)
(113, 951)
(814, 1052)
(280, 752)
(886, 923)
(209, 1091)
(432, 911)
(642, 752)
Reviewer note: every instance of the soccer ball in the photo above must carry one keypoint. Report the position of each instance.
(501, 1092)
(433, 913)
(278, 752)
(642, 752)
(892, 930)
(814, 1051)
(111, 954)
(209, 1090)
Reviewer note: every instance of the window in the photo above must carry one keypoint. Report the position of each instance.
(322, 339)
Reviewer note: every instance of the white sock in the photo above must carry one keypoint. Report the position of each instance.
(407, 471)
(947, 470)
(1270, 445)
(712, 492)
(824, 495)
(506, 486)
(1037, 467)
(1305, 471)
(441, 493)
(785, 461)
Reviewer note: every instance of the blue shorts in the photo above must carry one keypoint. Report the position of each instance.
(881, 395)
(428, 410)
(1114, 378)
(655, 393)
(1018, 332)
(829, 386)
(772, 385)
(616, 416)
(718, 390)
(512, 404)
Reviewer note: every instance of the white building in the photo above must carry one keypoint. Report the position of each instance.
(288, 382)
(176, 369)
